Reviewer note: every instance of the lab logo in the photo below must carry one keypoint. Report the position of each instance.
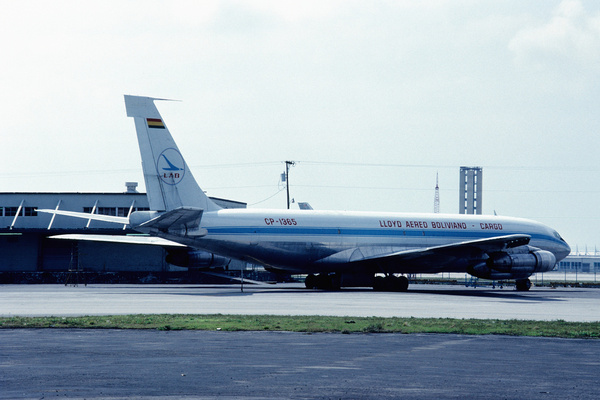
(170, 166)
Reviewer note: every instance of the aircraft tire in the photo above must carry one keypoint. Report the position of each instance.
(310, 282)
(328, 282)
(323, 281)
(402, 284)
(379, 284)
(523, 285)
(390, 284)
(335, 282)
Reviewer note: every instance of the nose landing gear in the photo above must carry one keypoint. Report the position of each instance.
(523, 285)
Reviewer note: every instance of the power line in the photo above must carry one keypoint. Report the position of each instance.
(331, 163)
(500, 167)
(270, 197)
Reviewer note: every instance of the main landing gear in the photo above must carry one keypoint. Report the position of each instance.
(523, 285)
(390, 283)
(323, 281)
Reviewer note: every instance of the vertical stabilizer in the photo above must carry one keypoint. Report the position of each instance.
(169, 182)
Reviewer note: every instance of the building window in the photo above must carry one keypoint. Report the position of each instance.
(30, 211)
(10, 211)
(114, 211)
(585, 267)
(107, 211)
(101, 210)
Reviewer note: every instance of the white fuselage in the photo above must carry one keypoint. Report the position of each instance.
(295, 240)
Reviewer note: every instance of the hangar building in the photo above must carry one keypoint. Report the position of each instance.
(25, 245)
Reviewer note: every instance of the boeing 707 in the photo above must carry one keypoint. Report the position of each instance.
(333, 248)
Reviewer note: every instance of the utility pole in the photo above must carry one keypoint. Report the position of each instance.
(288, 164)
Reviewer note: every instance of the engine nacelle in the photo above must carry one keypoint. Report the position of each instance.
(519, 263)
(196, 259)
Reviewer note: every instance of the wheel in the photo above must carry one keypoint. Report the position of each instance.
(379, 284)
(402, 284)
(335, 281)
(310, 282)
(523, 285)
(390, 284)
(323, 281)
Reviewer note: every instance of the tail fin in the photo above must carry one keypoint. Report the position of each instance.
(169, 182)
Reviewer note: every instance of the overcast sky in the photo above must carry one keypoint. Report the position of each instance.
(371, 99)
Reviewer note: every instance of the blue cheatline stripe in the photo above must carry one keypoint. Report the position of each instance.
(315, 231)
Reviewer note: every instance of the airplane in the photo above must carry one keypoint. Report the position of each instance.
(305, 206)
(334, 248)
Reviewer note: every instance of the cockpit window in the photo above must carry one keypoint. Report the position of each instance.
(557, 235)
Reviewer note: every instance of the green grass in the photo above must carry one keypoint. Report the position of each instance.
(313, 324)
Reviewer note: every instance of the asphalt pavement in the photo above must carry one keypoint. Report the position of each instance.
(119, 364)
(111, 364)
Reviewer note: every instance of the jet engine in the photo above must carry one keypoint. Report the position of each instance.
(196, 259)
(518, 263)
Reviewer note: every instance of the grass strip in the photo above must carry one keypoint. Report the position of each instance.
(313, 324)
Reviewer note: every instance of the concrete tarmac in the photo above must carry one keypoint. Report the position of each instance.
(569, 304)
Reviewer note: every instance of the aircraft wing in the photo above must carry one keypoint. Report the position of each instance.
(432, 259)
(494, 244)
(127, 239)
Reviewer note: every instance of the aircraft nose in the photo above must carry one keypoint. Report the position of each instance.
(564, 251)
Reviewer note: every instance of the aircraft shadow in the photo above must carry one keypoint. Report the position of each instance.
(249, 290)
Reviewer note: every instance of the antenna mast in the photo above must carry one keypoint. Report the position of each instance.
(436, 200)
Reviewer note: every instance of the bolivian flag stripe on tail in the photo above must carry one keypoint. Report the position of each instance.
(155, 123)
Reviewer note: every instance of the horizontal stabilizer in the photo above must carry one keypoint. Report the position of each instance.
(180, 218)
(126, 239)
(88, 216)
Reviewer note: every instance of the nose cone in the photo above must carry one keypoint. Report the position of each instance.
(563, 250)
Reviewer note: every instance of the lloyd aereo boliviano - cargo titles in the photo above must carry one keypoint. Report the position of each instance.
(437, 225)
